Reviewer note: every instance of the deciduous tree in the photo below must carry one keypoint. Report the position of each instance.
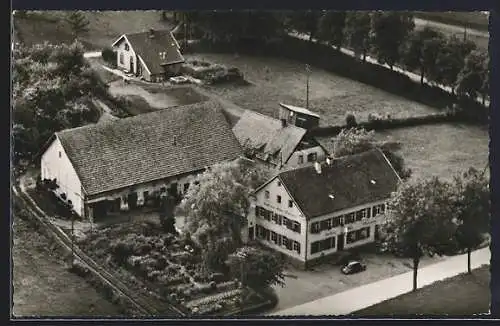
(471, 78)
(304, 21)
(331, 27)
(422, 50)
(357, 31)
(472, 210)
(420, 221)
(390, 31)
(257, 268)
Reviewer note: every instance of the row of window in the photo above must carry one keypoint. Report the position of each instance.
(277, 218)
(311, 157)
(342, 220)
(358, 235)
(277, 239)
(267, 195)
(329, 243)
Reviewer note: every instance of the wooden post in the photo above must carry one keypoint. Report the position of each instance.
(307, 87)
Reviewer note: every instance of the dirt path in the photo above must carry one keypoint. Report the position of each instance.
(43, 287)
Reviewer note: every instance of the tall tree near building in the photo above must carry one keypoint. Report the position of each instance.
(472, 210)
(390, 31)
(357, 31)
(331, 27)
(420, 221)
(422, 50)
(214, 204)
(78, 23)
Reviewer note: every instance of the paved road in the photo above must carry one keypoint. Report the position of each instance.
(367, 295)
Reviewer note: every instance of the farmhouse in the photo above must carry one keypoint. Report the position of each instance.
(153, 55)
(276, 143)
(121, 164)
(312, 212)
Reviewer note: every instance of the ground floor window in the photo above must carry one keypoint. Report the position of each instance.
(358, 235)
(277, 239)
(122, 60)
(322, 245)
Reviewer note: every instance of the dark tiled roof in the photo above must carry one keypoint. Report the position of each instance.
(149, 49)
(140, 149)
(267, 134)
(348, 179)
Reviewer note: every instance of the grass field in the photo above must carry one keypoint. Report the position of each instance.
(41, 284)
(472, 19)
(438, 150)
(275, 80)
(462, 295)
(104, 26)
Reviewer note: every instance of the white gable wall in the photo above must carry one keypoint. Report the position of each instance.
(127, 55)
(55, 164)
(293, 161)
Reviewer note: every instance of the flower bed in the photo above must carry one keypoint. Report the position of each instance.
(160, 265)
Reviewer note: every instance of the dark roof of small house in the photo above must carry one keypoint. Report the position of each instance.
(348, 179)
(149, 49)
(268, 135)
(149, 146)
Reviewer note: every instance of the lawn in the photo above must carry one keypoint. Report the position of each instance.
(462, 295)
(161, 265)
(104, 26)
(144, 97)
(41, 284)
(437, 150)
(275, 80)
(473, 19)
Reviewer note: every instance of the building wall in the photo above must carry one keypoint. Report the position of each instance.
(174, 69)
(127, 56)
(144, 71)
(336, 231)
(55, 164)
(292, 213)
(293, 161)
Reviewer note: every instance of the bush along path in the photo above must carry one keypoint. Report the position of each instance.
(136, 303)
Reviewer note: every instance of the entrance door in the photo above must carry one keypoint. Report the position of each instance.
(340, 242)
(173, 190)
(132, 200)
(377, 232)
(132, 64)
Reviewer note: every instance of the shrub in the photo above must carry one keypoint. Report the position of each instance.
(213, 285)
(108, 55)
(350, 120)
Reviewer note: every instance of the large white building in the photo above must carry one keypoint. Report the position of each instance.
(121, 164)
(312, 212)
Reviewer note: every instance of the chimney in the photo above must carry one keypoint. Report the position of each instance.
(151, 33)
(283, 122)
(317, 167)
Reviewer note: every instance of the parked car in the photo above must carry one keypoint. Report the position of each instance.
(353, 267)
(179, 80)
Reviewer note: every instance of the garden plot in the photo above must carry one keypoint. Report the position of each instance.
(275, 80)
(168, 268)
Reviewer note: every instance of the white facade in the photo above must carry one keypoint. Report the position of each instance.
(319, 236)
(303, 157)
(126, 56)
(55, 164)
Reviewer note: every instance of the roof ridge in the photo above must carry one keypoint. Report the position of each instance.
(272, 118)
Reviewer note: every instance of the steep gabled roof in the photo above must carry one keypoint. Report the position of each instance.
(149, 146)
(149, 48)
(267, 135)
(299, 110)
(351, 181)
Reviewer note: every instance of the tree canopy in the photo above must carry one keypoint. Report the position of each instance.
(420, 221)
(357, 30)
(331, 27)
(474, 75)
(52, 86)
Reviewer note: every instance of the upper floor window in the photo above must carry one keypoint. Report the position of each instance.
(290, 204)
(59, 154)
(266, 194)
(301, 159)
(127, 47)
(279, 183)
(312, 157)
(278, 199)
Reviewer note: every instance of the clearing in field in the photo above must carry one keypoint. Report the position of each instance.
(462, 295)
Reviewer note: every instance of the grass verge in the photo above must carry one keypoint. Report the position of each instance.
(462, 295)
